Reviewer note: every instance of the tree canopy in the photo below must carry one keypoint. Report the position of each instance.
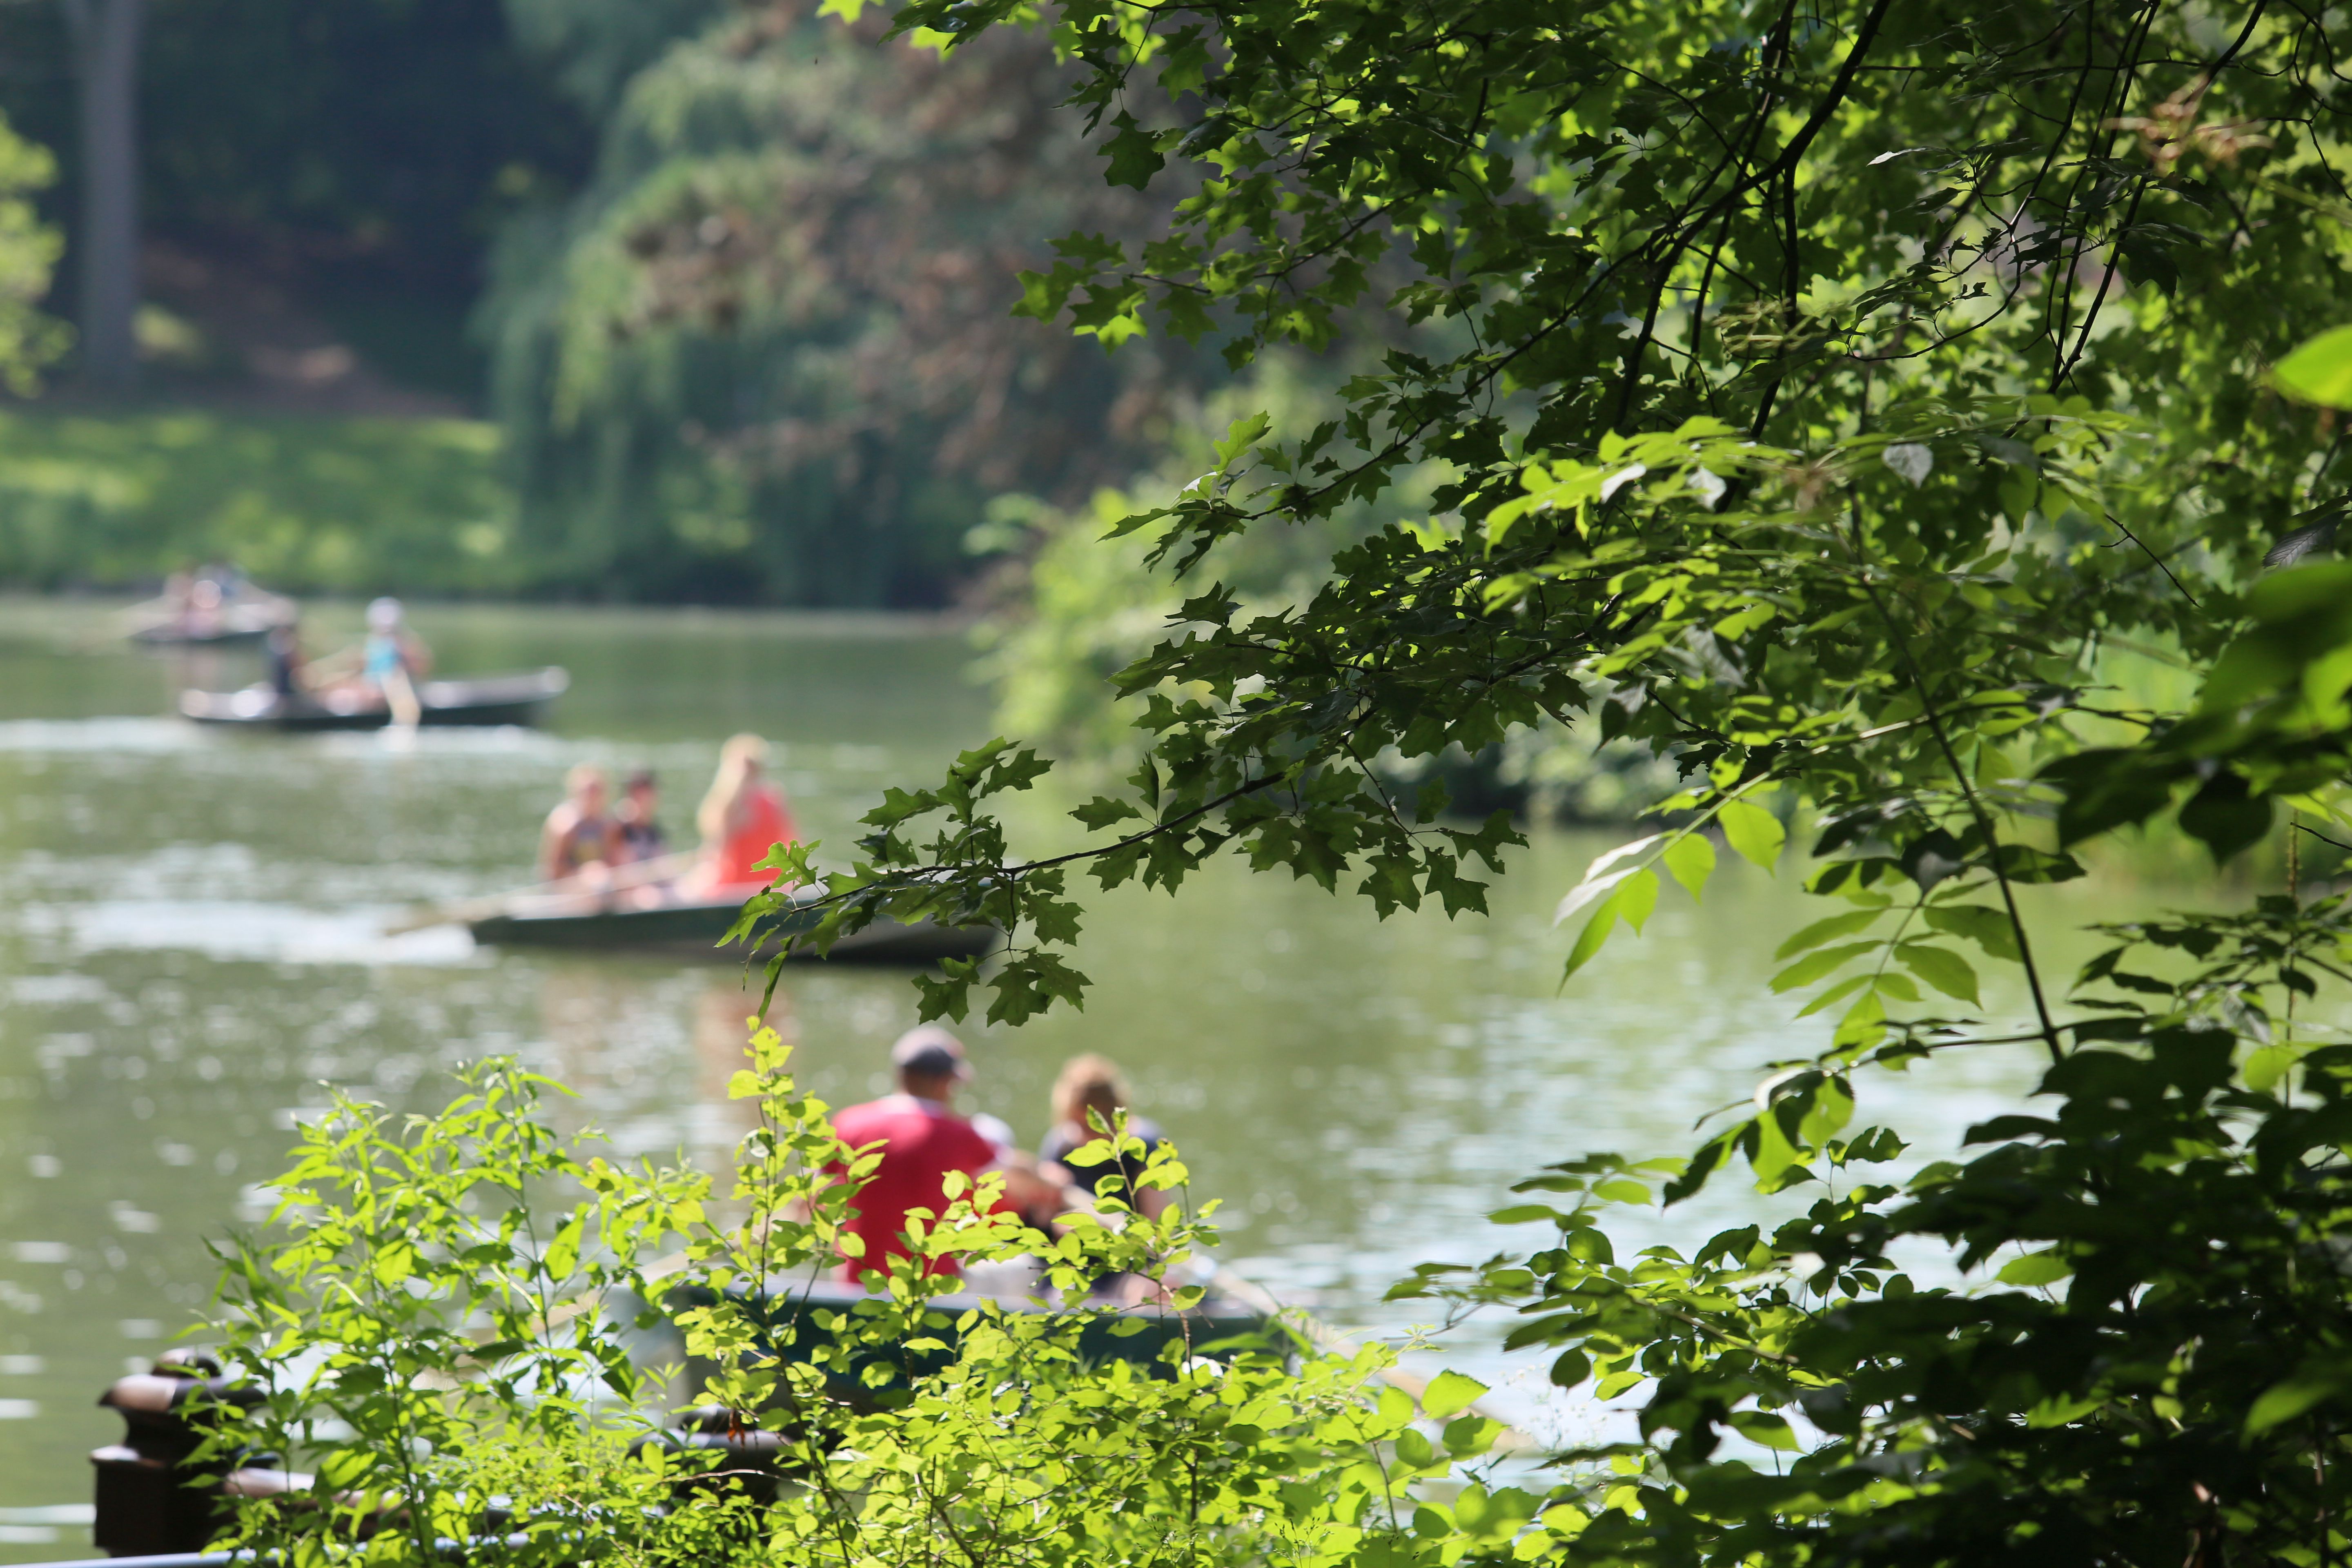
(1849, 397)
(766, 353)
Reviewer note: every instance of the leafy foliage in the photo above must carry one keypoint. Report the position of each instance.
(352, 505)
(428, 1328)
(1822, 456)
(765, 355)
(30, 339)
(1842, 389)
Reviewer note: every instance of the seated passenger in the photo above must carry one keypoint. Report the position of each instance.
(637, 822)
(741, 819)
(1087, 1099)
(578, 835)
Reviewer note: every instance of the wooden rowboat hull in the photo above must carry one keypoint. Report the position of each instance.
(791, 1323)
(246, 621)
(692, 931)
(495, 699)
(225, 636)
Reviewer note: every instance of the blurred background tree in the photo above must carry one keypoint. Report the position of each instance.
(766, 353)
(734, 284)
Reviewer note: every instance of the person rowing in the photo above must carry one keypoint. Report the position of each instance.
(391, 658)
(923, 1137)
(386, 665)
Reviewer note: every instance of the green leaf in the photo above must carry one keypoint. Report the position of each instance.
(1449, 1394)
(1824, 930)
(2226, 816)
(1942, 968)
(2035, 1268)
(1133, 154)
(1763, 1427)
(1589, 890)
(1990, 929)
(1755, 832)
(1588, 941)
(1690, 859)
(1805, 970)
(2283, 1401)
(1637, 898)
(2265, 1066)
(2320, 370)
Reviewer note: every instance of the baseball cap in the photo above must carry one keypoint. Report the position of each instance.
(930, 1051)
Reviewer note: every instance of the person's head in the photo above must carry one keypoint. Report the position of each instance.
(585, 787)
(739, 762)
(383, 614)
(206, 595)
(1089, 1093)
(640, 794)
(931, 1062)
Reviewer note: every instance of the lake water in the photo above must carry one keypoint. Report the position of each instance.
(191, 945)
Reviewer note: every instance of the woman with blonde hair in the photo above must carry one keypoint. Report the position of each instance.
(741, 818)
(1088, 1100)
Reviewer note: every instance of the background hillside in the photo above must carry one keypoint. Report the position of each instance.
(662, 300)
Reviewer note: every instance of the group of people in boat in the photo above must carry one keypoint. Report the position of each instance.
(618, 851)
(385, 665)
(923, 1137)
(211, 602)
(594, 845)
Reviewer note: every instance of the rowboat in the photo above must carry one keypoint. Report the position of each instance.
(494, 700)
(798, 1323)
(234, 624)
(692, 929)
(245, 615)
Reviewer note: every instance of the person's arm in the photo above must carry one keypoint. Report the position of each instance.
(330, 667)
(416, 655)
(551, 867)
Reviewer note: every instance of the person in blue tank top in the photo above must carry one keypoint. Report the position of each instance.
(391, 658)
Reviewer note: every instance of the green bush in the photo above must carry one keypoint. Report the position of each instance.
(433, 1318)
(338, 505)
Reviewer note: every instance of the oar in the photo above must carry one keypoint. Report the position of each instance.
(468, 910)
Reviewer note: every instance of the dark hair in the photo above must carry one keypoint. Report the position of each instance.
(642, 779)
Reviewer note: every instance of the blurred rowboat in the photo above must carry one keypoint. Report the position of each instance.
(493, 700)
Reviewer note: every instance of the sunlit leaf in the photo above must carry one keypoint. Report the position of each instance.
(2320, 370)
(1448, 1393)
(1691, 860)
(1752, 831)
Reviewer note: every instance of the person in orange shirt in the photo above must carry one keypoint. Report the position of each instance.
(741, 819)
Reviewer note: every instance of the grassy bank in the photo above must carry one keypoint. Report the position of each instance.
(306, 504)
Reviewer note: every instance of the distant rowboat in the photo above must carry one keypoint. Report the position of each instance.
(494, 700)
(242, 614)
(234, 624)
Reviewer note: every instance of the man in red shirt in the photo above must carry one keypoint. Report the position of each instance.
(922, 1140)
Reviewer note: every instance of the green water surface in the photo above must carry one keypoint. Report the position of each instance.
(191, 945)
